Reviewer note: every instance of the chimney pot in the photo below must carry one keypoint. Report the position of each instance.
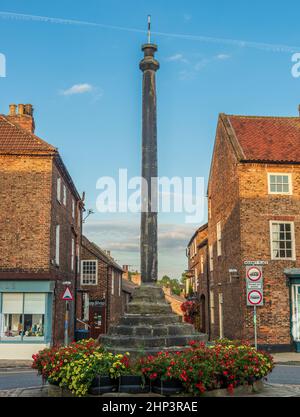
(28, 109)
(12, 109)
(21, 109)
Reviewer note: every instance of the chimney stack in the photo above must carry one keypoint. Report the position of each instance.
(12, 109)
(24, 117)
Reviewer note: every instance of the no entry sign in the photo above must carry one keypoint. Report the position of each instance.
(254, 273)
(255, 298)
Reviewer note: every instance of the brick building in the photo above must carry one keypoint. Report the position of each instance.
(254, 215)
(100, 295)
(197, 275)
(40, 232)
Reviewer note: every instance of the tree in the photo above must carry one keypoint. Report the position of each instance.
(174, 284)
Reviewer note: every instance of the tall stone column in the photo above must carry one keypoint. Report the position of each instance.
(149, 65)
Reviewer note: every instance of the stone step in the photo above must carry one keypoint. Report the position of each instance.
(157, 330)
(149, 292)
(145, 342)
(148, 308)
(149, 319)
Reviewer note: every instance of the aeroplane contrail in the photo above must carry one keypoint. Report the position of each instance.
(234, 42)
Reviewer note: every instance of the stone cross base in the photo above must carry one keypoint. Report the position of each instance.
(149, 326)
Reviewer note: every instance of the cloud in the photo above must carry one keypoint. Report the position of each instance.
(124, 236)
(222, 56)
(78, 89)
(177, 58)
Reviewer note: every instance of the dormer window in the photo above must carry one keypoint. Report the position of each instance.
(280, 183)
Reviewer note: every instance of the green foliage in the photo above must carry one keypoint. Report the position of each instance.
(75, 366)
(174, 284)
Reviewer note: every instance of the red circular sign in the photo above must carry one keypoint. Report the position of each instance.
(254, 273)
(254, 297)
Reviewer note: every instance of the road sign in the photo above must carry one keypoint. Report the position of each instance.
(67, 295)
(254, 273)
(254, 285)
(255, 298)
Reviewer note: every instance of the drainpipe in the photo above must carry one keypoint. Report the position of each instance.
(107, 298)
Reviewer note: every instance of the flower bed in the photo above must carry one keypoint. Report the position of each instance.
(195, 370)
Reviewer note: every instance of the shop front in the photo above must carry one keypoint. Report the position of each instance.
(25, 317)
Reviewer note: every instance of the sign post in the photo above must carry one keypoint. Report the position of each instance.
(254, 291)
(67, 296)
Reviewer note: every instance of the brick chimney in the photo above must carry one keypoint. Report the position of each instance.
(23, 117)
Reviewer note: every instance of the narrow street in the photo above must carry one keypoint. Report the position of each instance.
(285, 374)
(19, 379)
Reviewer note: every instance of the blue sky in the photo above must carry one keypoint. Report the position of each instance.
(98, 128)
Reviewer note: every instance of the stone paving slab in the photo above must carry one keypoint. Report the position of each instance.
(291, 358)
(13, 364)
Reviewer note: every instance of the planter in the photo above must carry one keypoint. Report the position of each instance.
(167, 387)
(240, 390)
(133, 384)
(102, 384)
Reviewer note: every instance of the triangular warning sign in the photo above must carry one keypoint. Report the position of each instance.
(67, 295)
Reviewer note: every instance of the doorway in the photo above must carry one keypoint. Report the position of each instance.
(295, 316)
(97, 318)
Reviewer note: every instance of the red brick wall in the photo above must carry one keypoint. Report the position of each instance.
(69, 227)
(240, 200)
(25, 210)
(257, 209)
(103, 290)
(29, 212)
(223, 193)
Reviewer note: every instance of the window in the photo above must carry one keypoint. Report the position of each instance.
(120, 284)
(72, 253)
(64, 195)
(280, 183)
(112, 282)
(219, 239)
(212, 306)
(85, 306)
(211, 258)
(58, 189)
(89, 272)
(282, 240)
(73, 208)
(78, 258)
(23, 316)
(201, 264)
(57, 241)
(195, 283)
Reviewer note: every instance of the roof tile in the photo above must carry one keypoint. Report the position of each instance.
(274, 139)
(15, 139)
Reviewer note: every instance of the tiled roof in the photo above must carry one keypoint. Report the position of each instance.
(274, 139)
(14, 139)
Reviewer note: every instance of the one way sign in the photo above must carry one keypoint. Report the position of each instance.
(67, 295)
